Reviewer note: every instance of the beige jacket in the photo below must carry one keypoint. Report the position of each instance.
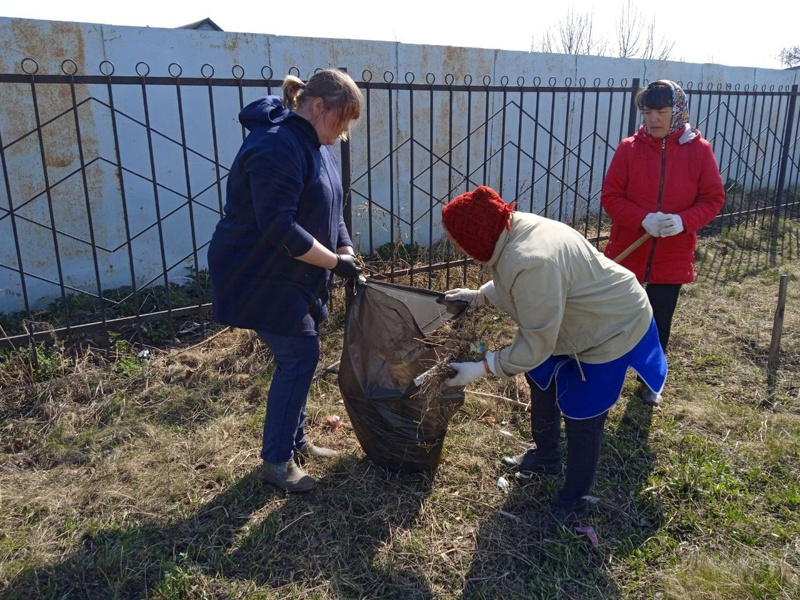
(566, 297)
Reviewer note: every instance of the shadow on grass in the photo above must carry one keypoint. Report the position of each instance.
(522, 553)
(327, 540)
(636, 512)
(747, 251)
(333, 538)
(357, 536)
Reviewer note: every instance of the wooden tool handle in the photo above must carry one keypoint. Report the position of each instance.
(625, 253)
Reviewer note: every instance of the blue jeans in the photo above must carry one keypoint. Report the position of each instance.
(296, 359)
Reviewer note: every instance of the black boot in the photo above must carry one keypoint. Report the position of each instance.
(531, 462)
(545, 458)
(569, 514)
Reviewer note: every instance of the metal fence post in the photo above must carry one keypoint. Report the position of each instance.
(635, 84)
(785, 146)
(347, 178)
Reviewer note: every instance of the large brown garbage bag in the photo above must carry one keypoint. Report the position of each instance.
(384, 350)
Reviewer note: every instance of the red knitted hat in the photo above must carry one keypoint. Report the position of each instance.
(476, 219)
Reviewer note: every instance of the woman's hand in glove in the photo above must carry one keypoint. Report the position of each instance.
(672, 225)
(467, 372)
(653, 223)
(473, 297)
(346, 266)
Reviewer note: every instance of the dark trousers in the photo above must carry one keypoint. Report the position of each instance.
(584, 438)
(663, 298)
(296, 359)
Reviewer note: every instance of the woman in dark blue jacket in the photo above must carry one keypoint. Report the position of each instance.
(272, 254)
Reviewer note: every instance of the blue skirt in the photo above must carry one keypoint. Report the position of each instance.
(587, 390)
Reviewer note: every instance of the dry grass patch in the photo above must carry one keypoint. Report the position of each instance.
(713, 577)
(123, 478)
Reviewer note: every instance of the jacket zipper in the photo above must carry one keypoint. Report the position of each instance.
(658, 209)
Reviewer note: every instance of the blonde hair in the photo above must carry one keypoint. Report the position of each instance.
(337, 90)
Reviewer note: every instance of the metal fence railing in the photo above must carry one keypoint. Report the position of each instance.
(112, 184)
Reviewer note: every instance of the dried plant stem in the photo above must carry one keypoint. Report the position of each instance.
(326, 370)
(509, 400)
(205, 341)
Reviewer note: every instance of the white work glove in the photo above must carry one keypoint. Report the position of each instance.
(672, 225)
(653, 223)
(490, 294)
(474, 297)
(467, 372)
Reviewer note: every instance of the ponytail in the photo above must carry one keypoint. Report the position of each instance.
(337, 90)
(293, 89)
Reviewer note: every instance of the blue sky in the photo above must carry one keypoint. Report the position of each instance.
(703, 30)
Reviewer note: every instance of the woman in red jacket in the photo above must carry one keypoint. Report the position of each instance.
(663, 181)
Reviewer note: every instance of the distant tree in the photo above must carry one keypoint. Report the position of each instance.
(790, 56)
(629, 31)
(635, 39)
(574, 34)
(660, 49)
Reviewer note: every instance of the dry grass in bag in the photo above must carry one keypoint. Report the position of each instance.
(462, 340)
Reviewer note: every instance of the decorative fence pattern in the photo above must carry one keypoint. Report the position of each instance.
(112, 184)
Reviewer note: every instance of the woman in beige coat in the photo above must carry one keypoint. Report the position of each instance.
(582, 321)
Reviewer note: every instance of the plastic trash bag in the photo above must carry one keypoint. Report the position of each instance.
(384, 350)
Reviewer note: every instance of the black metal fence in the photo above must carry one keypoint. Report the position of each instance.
(113, 184)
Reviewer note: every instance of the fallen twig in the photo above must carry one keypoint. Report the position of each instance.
(329, 369)
(305, 514)
(511, 516)
(508, 434)
(205, 341)
(509, 400)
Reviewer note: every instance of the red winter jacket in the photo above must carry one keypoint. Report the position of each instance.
(692, 189)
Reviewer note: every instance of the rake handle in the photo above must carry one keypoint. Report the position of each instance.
(625, 253)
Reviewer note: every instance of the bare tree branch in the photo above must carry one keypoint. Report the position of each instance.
(575, 34)
(629, 28)
(790, 56)
(656, 50)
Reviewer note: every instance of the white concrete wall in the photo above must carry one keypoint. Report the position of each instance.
(51, 43)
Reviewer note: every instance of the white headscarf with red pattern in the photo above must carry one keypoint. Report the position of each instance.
(680, 113)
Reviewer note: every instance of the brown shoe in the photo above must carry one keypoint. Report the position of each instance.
(308, 450)
(287, 476)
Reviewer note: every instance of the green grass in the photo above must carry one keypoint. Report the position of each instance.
(124, 478)
(78, 308)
